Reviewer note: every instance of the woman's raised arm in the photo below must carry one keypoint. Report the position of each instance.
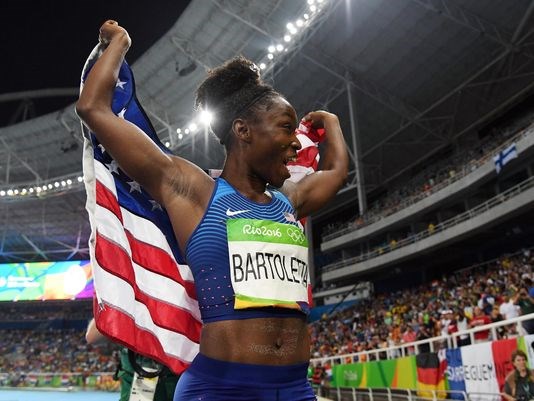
(316, 189)
(135, 153)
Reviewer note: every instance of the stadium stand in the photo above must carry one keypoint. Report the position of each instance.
(42, 344)
(430, 310)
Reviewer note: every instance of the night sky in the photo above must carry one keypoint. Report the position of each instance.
(44, 44)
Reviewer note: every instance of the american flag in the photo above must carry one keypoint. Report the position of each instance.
(144, 292)
(308, 155)
(145, 297)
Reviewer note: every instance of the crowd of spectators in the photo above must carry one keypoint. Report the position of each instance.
(46, 310)
(38, 350)
(465, 299)
(434, 177)
(24, 353)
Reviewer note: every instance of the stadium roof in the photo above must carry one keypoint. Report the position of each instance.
(420, 72)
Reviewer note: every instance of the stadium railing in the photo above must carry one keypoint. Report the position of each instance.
(339, 393)
(434, 344)
(388, 394)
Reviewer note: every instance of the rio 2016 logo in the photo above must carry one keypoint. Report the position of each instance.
(264, 231)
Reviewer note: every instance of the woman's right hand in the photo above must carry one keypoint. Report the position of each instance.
(111, 30)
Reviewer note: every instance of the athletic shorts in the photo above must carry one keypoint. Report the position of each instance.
(213, 380)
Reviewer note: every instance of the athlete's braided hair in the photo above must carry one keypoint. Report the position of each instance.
(233, 90)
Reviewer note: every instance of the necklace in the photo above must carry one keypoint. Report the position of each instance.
(526, 386)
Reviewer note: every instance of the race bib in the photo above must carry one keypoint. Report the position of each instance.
(268, 264)
(143, 388)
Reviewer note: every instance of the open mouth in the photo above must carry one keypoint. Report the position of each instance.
(289, 160)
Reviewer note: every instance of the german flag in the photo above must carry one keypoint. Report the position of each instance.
(430, 374)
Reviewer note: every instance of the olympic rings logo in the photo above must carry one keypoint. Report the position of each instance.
(296, 235)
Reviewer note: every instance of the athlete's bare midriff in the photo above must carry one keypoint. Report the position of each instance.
(263, 341)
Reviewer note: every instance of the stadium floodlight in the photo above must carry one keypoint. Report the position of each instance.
(205, 117)
(291, 28)
(291, 36)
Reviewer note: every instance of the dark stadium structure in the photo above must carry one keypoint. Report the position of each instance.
(435, 98)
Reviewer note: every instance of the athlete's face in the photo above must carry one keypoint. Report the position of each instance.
(274, 142)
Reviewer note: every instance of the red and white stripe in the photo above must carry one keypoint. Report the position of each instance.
(145, 300)
(307, 159)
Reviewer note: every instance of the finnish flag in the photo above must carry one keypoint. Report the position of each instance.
(504, 156)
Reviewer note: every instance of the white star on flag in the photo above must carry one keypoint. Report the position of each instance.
(120, 84)
(102, 149)
(113, 167)
(155, 205)
(134, 186)
(121, 113)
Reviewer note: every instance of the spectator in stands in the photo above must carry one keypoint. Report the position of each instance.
(527, 281)
(526, 305)
(409, 336)
(495, 317)
(462, 325)
(423, 334)
(508, 309)
(519, 383)
(486, 301)
(444, 323)
(480, 319)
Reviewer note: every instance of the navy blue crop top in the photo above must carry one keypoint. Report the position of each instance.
(207, 252)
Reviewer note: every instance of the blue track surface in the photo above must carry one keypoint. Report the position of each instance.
(31, 395)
